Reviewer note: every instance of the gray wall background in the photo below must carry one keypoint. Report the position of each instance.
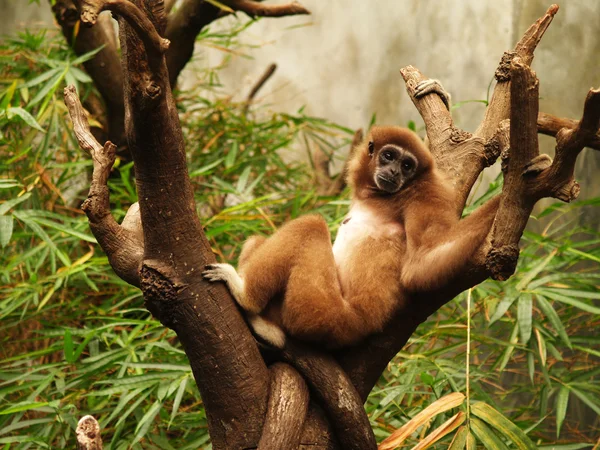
(342, 62)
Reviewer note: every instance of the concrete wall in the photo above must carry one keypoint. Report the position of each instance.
(342, 62)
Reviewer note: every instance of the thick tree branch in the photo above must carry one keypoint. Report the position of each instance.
(286, 409)
(183, 26)
(499, 107)
(104, 68)
(462, 156)
(557, 179)
(335, 393)
(155, 45)
(515, 204)
(123, 245)
(222, 353)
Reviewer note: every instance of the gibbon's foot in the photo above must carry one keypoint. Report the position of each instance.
(266, 331)
(235, 284)
(432, 86)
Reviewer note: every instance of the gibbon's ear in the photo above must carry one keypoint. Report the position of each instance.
(371, 148)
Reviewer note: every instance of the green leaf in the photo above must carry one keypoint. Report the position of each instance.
(86, 56)
(8, 204)
(562, 401)
(553, 318)
(507, 301)
(146, 421)
(48, 88)
(6, 229)
(27, 118)
(588, 399)
(534, 271)
(23, 406)
(231, 156)
(524, 317)
(41, 78)
(68, 346)
(177, 400)
(460, 439)
(570, 301)
(243, 180)
(496, 420)
(486, 435)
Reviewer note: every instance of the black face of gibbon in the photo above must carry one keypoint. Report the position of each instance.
(394, 167)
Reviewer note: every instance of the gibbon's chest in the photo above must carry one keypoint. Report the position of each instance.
(362, 232)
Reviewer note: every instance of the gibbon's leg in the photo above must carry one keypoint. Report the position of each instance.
(433, 267)
(266, 264)
(251, 244)
(432, 86)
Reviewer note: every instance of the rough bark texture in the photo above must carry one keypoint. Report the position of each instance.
(286, 410)
(247, 408)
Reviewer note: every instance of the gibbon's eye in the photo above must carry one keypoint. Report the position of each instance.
(388, 156)
(407, 164)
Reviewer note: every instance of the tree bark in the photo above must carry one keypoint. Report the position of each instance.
(161, 247)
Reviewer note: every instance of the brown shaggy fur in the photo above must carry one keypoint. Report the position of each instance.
(399, 244)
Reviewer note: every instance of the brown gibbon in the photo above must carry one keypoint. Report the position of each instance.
(401, 237)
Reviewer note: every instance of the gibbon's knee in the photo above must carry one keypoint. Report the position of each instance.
(249, 247)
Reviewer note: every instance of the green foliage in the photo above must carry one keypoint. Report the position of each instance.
(76, 340)
(534, 351)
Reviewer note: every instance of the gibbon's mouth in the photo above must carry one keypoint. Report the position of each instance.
(386, 184)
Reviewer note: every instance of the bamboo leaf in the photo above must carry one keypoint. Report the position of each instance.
(553, 318)
(460, 439)
(6, 230)
(439, 406)
(486, 435)
(495, 419)
(444, 429)
(562, 401)
(525, 317)
(27, 118)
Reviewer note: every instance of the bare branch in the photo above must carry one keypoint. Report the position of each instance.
(255, 9)
(124, 246)
(104, 68)
(499, 107)
(551, 125)
(432, 108)
(259, 84)
(516, 204)
(286, 409)
(556, 180)
(155, 45)
(88, 434)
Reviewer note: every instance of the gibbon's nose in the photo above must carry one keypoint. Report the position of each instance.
(393, 171)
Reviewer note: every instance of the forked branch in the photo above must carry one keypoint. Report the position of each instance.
(155, 45)
(123, 245)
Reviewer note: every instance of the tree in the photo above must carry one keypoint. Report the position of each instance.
(248, 403)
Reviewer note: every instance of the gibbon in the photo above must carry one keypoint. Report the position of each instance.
(401, 237)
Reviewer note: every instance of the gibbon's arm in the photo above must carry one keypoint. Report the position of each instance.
(432, 265)
(263, 328)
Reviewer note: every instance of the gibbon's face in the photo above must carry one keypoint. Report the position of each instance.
(394, 167)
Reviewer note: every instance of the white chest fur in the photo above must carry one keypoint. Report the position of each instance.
(360, 223)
